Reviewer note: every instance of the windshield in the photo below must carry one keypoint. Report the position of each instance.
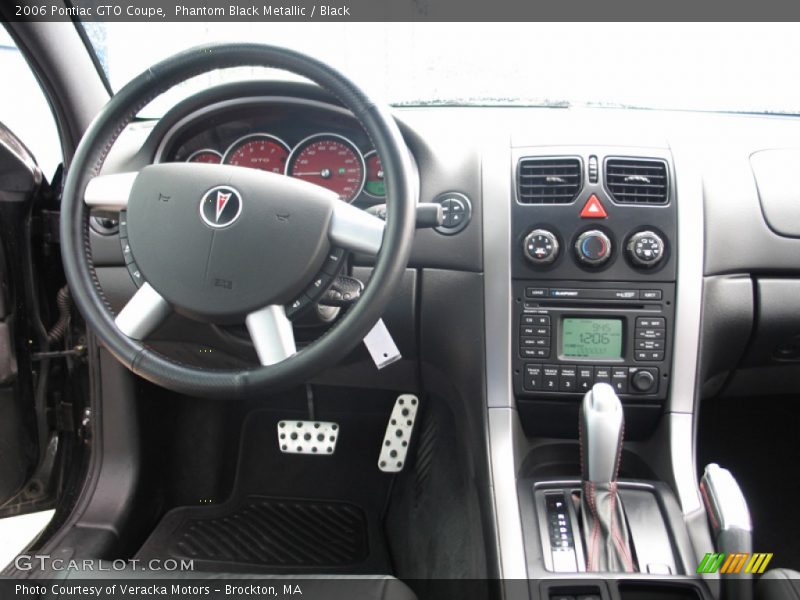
(714, 67)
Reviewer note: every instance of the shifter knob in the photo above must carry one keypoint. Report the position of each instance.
(601, 433)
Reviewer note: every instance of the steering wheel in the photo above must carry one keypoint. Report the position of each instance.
(224, 244)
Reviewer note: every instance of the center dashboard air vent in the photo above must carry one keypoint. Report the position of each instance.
(552, 180)
(637, 181)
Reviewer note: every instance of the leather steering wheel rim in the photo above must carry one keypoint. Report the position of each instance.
(390, 262)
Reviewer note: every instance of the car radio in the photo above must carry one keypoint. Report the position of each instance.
(570, 335)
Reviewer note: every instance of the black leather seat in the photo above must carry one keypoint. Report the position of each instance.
(779, 584)
(327, 587)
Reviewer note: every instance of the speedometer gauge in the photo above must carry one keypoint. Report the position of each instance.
(375, 185)
(205, 155)
(258, 151)
(329, 160)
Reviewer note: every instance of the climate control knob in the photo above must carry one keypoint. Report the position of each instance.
(645, 249)
(593, 248)
(540, 247)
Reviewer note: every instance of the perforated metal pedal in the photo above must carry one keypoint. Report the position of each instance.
(398, 434)
(307, 437)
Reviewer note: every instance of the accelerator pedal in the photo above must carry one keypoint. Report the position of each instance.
(398, 434)
(307, 437)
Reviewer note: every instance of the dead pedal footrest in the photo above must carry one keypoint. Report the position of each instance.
(398, 434)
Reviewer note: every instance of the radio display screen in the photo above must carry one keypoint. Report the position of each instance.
(591, 338)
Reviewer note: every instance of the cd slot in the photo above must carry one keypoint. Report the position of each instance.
(586, 304)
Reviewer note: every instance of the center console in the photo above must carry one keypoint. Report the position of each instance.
(593, 253)
(593, 267)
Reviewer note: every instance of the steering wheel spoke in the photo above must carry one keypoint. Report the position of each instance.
(109, 192)
(272, 334)
(355, 229)
(145, 311)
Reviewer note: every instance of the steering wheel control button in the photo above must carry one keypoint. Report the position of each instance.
(319, 285)
(643, 380)
(127, 253)
(308, 437)
(333, 262)
(456, 212)
(645, 249)
(593, 248)
(593, 209)
(220, 206)
(298, 305)
(135, 273)
(397, 438)
(541, 247)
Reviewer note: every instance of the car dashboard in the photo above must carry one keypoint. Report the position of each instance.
(481, 164)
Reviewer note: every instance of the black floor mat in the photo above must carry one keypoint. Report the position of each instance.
(757, 440)
(288, 512)
(267, 532)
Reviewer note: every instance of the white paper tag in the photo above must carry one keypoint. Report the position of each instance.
(381, 346)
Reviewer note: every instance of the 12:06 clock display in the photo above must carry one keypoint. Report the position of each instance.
(591, 338)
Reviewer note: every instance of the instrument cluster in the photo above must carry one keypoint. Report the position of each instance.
(322, 147)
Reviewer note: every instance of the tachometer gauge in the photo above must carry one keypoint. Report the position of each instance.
(329, 160)
(258, 151)
(374, 185)
(205, 155)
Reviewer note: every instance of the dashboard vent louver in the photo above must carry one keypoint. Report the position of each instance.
(636, 181)
(549, 180)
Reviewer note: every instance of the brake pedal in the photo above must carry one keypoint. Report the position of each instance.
(398, 434)
(307, 437)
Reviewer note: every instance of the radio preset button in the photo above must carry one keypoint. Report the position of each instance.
(602, 374)
(567, 380)
(585, 379)
(533, 377)
(619, 379)
(550, 379)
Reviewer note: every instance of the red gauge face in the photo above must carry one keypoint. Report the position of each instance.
(259, 151)
(374, 185)
(330, 161)
(209, 156)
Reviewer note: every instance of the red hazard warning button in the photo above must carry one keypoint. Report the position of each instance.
(593, 209)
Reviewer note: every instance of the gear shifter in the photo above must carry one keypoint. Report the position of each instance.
(605, 531)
